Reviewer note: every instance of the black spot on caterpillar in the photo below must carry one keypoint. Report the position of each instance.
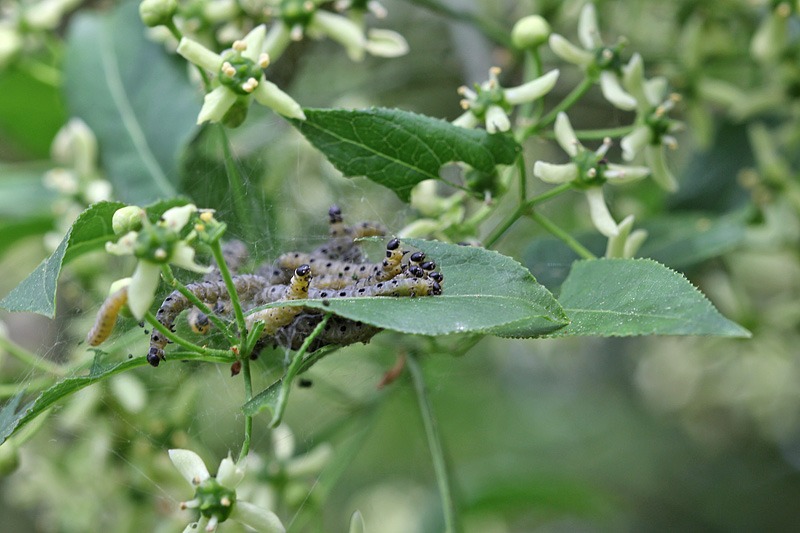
(277, 317)
(106, 317)
(209, 292)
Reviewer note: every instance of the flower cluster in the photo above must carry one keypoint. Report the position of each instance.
(215, 497)
(77, 179)
(588, 171)
(154, 245)
(238, 78)
(303, 17)
(599, 60)
(491, 104)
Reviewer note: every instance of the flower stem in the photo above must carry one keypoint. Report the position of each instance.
(248, 420)
(565, 104)
(435, 445)
(589, 135)
(521, 210)
(169, 277)
(292, 371)
(29, 358)
(236, 182)
(180, 341)
(568, 239)
(216, 250)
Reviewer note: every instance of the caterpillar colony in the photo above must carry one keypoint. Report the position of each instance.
(337, 269)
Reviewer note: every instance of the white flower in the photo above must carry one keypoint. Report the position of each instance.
(625, 244)
(491, 103)
(239, 77)
(653, 127)
(215, 497)
(349, 32)
(598, 60)
(155, 251)
(588, 171)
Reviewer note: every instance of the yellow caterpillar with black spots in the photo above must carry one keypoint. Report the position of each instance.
(106, 317)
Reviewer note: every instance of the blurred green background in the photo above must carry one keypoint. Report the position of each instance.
(646, 434)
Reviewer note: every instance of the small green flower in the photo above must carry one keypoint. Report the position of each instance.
(588, 171)
(598, 59)
(215, 497)
(239, 77)
(490, 103)
(155, 245)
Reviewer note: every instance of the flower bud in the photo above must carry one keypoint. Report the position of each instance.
(157, 12)
(126, 219)
(530, 32)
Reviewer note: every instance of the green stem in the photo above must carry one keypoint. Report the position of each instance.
(523, 179)
(216, 249)
(522, 210)
(29, 358)
(590, 135)
(236, 182)
(565, 104)
(435, 445)
(551, 226)
(173, 29)
(293, 370)
(180, 341)
(169, 277)
(532, 64)
(248, 420)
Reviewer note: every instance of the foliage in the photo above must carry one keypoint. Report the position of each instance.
(186, 131)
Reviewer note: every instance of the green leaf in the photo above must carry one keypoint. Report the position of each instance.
(483, 292)
(12, 421)
(629, 297)
(399, 149)
(92, 229)
(130, 93)
(37, 292)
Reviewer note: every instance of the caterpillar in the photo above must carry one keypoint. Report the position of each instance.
(247, 286)
(277, 317)
(342, 245)
(340, 331)
(336, 274)
(198, 321)
(235, 254)
(394, 287)
(106, 317)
